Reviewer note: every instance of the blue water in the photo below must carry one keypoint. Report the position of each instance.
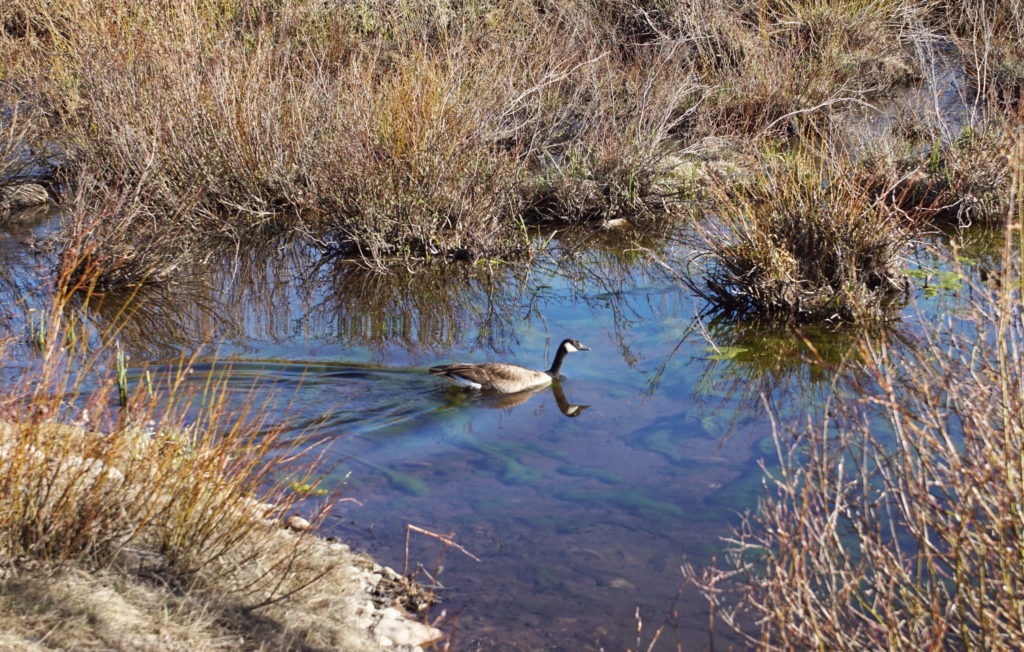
(582, 501)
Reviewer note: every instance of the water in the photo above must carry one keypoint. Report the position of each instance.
(581, 501)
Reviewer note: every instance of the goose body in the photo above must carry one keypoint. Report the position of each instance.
(503, 377)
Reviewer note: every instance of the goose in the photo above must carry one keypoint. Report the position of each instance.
(503, 377)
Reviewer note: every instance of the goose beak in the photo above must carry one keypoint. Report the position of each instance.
(584, 347)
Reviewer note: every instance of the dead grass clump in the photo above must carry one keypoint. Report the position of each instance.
(967, 180)
(977, 170)
(896, 523)
(768, 61)
(990, 36)
(802, 241)
(418, 131)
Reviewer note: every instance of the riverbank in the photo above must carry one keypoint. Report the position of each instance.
(132, 606)
(158, 518)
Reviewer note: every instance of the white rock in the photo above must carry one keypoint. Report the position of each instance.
(614, 223)
(401, 630)
(297, 523)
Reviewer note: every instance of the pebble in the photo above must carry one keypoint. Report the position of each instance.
(297, 523)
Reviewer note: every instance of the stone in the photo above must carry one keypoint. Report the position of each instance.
(297, 523)
(396, 627)
(615, 223)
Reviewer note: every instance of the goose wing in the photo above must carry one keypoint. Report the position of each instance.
(499, 376)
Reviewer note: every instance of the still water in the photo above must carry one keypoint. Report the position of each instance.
(581, 501)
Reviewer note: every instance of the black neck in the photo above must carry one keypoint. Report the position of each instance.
(556, 366)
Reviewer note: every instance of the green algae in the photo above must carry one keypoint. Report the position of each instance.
(603, 475)
(632, 500)
(666, 442)
(405, 483)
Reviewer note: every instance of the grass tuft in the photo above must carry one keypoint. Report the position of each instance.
(800, 241)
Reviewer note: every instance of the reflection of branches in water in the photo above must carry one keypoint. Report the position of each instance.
(154, 319)
(605, 267)
(428, 310)
(233, 298)
(22, 272)
(282, 294)
(749, 360)
(289, 292)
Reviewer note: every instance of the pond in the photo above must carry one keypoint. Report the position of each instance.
(580, 501)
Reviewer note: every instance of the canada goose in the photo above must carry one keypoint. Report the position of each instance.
(505, 378)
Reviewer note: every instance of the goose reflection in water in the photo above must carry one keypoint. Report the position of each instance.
(497, 401)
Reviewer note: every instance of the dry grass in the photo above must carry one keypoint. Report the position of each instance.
(127, 607)
(770, 61)
(405, 131)
(801, 241)
(896, 521)
(121, 526)
(416, 130)
(963, 180)
(990, 36)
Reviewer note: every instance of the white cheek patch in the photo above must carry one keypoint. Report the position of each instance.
(462, 382)
(570, 348)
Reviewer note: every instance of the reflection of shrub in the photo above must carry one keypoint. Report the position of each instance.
(751, 360)
(898, 525)
(801, 241)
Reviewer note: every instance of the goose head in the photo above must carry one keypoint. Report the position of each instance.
(572, 346)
